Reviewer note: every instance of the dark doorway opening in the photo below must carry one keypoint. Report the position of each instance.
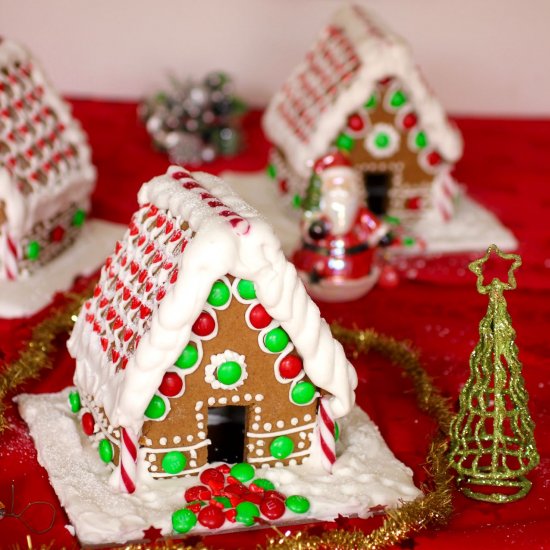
(377, 186)
(226, 426)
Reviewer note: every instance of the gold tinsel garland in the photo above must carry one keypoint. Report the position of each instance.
(431, 510)
(36, 356)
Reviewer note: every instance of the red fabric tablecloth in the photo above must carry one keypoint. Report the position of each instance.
(506, 167)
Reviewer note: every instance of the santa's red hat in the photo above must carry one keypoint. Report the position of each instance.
(333, 159)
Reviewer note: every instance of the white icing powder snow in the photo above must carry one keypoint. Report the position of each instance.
(365, 475)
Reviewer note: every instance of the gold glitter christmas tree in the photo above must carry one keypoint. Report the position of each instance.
(492, 441)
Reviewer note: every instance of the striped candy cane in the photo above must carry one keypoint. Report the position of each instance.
(128, 460)
(325, 425)
(445, 191)
(10, 257)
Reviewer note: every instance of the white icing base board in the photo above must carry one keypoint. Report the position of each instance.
(473, 227)
(365, 475)
(29, 295)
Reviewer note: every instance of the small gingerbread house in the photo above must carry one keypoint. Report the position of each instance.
(199, 325)
(46, 177)
(358, 90)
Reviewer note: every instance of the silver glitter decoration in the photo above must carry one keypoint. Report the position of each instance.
(195, 122)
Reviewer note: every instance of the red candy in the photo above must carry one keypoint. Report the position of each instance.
(204, 325)
(231, 514)
(195, 506)
(211, 517)
(171, 384)
(290, 366)
(88, 423)
(223, 468)
(272, 507)
(213, 478)
(255, 488)
(197, 492)
(256, 498)
(259, 318)
(276, 494)
(235, 489)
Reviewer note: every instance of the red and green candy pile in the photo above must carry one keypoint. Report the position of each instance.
(233, 494)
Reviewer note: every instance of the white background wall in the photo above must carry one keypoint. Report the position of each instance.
(486, 57)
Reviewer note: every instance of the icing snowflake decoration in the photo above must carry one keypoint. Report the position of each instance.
(226, 370)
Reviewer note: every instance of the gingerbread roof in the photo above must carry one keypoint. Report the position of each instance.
(43, 150)
(337, 76)
(190, 230)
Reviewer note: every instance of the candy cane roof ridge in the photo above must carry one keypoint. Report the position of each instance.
(246, 249)
(305, 116)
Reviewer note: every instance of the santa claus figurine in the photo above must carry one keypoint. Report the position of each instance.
(340, 234)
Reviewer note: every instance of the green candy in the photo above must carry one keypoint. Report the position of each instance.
(156, 408)
(223, 500)
(296, 201)
(174, 462)
(303, 392)
(243, 471)
(276, 340)
(105, 450)
(421, 140)
(74, 401)
(189, 356)
(79, 217)
(271, 171)
(345, 142)
(265, 484)
(398, 99)
(229, 372)
(246, 289)
(297, 504)
(183, 520)
(246, 512)
(382, 140)
(33, 250)
(409, 241)
(281, 446)
(336, 431)
(219, 295)
(371, 103)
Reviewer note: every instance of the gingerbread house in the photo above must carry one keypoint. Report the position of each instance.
(46, 177)
(199, 333)
(359, 91)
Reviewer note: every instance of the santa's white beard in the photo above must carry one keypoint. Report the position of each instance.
(341, 209)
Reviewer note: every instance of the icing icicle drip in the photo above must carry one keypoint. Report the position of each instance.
(326, 433)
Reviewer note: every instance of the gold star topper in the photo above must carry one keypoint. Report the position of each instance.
(496, 284)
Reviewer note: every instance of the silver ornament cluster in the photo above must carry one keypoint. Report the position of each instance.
(195, 122)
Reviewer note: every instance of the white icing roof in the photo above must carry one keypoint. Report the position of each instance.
(225, 236)
(338, 75)
(43, 150)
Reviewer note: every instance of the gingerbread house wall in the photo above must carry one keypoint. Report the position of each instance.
(270, 412)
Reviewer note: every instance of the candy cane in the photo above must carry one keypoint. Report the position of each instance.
(10, 253)
(325, 425)
(445, 191)
(128, 460)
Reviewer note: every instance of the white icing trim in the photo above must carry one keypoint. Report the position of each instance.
(381, 54)
(270, 458)
(302, 428)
